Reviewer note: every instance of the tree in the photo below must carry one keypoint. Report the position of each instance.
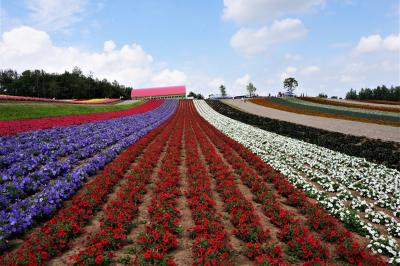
(192, 94)
(351, 95)
(290, 84)
(322, 95)
(251, 89)
(195, 96)
(223, 90)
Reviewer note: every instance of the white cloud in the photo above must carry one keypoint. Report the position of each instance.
(239, 86)
(251, 41)
(373, 43)
(53, 15)
(310, 70)
(250, 10)
(28, 48)
(109, 46)
(291, 70)
(216, 82)
(292, 57)
(169, 77)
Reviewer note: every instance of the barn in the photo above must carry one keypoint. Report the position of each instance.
(171, 92)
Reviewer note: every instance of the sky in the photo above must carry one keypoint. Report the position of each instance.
(329, 46)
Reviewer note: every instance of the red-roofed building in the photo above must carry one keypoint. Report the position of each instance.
(171, 92)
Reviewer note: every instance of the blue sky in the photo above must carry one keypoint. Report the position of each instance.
(327, 45)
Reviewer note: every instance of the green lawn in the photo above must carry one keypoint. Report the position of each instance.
(10, 110)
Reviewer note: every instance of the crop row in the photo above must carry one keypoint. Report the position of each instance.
(294, 106)
(33, 189)
(356, 112)
(358, 105)
(381, 152)
(69, 222)
(305, 164)
(37, 99)
(10, 127)
(307, 243)
(123, 209)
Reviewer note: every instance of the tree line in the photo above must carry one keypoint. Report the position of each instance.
(378, 93)
(68, 85)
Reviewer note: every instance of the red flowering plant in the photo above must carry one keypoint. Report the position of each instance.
(119, 213)
(210, 245)
(247, 223)
(69, 222)
(248, 166)
(161, 234)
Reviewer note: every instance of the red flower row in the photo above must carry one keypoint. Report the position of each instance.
(53, 236)
(300, 239)
(243, 217)
(119, 212)
(161, 233)
(210, 238)
(15, 126)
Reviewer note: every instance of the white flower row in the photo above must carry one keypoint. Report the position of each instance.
(308, 166)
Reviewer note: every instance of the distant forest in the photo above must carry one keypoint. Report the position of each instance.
(68, 85)
(379, 93)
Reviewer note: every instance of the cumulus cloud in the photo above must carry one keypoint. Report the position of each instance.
(53, 15)
(28, 48)
(373, 43)
(109, 46)
(250, 10)
(239, 85)
(251, 41)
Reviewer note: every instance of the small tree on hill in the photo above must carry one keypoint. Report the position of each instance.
(251, 89)
(223, 90)
(290, 84)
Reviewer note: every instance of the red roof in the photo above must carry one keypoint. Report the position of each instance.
(160, 91)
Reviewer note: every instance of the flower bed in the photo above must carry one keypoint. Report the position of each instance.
(377, 151)
(319, 225)
(53, 236)
(305, 165)
(350, 104)
(36, 99)
(209, 236)
(11, 127)
(120, 212)
(43, 182)
(294, 106)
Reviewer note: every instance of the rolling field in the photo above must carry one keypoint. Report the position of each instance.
(172, 182)
(11, 110)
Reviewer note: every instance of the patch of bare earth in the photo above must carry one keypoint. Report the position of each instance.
(237, 244)
(183, 254)
(130, 250)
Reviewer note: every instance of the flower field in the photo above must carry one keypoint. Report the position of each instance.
(181, 184)
(36, 99)
(296, 105)
(10, 127)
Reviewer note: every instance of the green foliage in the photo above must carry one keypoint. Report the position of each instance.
(68, 85)
(195, 96)
(222, 88)
(251, 89)
(290, 84)
(22, 110)
(379, 93)
(321, 95)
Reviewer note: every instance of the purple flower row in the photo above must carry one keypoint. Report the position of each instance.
(45, 190)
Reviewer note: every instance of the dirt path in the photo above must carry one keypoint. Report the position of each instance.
(383, 132)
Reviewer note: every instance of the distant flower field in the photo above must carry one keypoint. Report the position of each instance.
(179, 183)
